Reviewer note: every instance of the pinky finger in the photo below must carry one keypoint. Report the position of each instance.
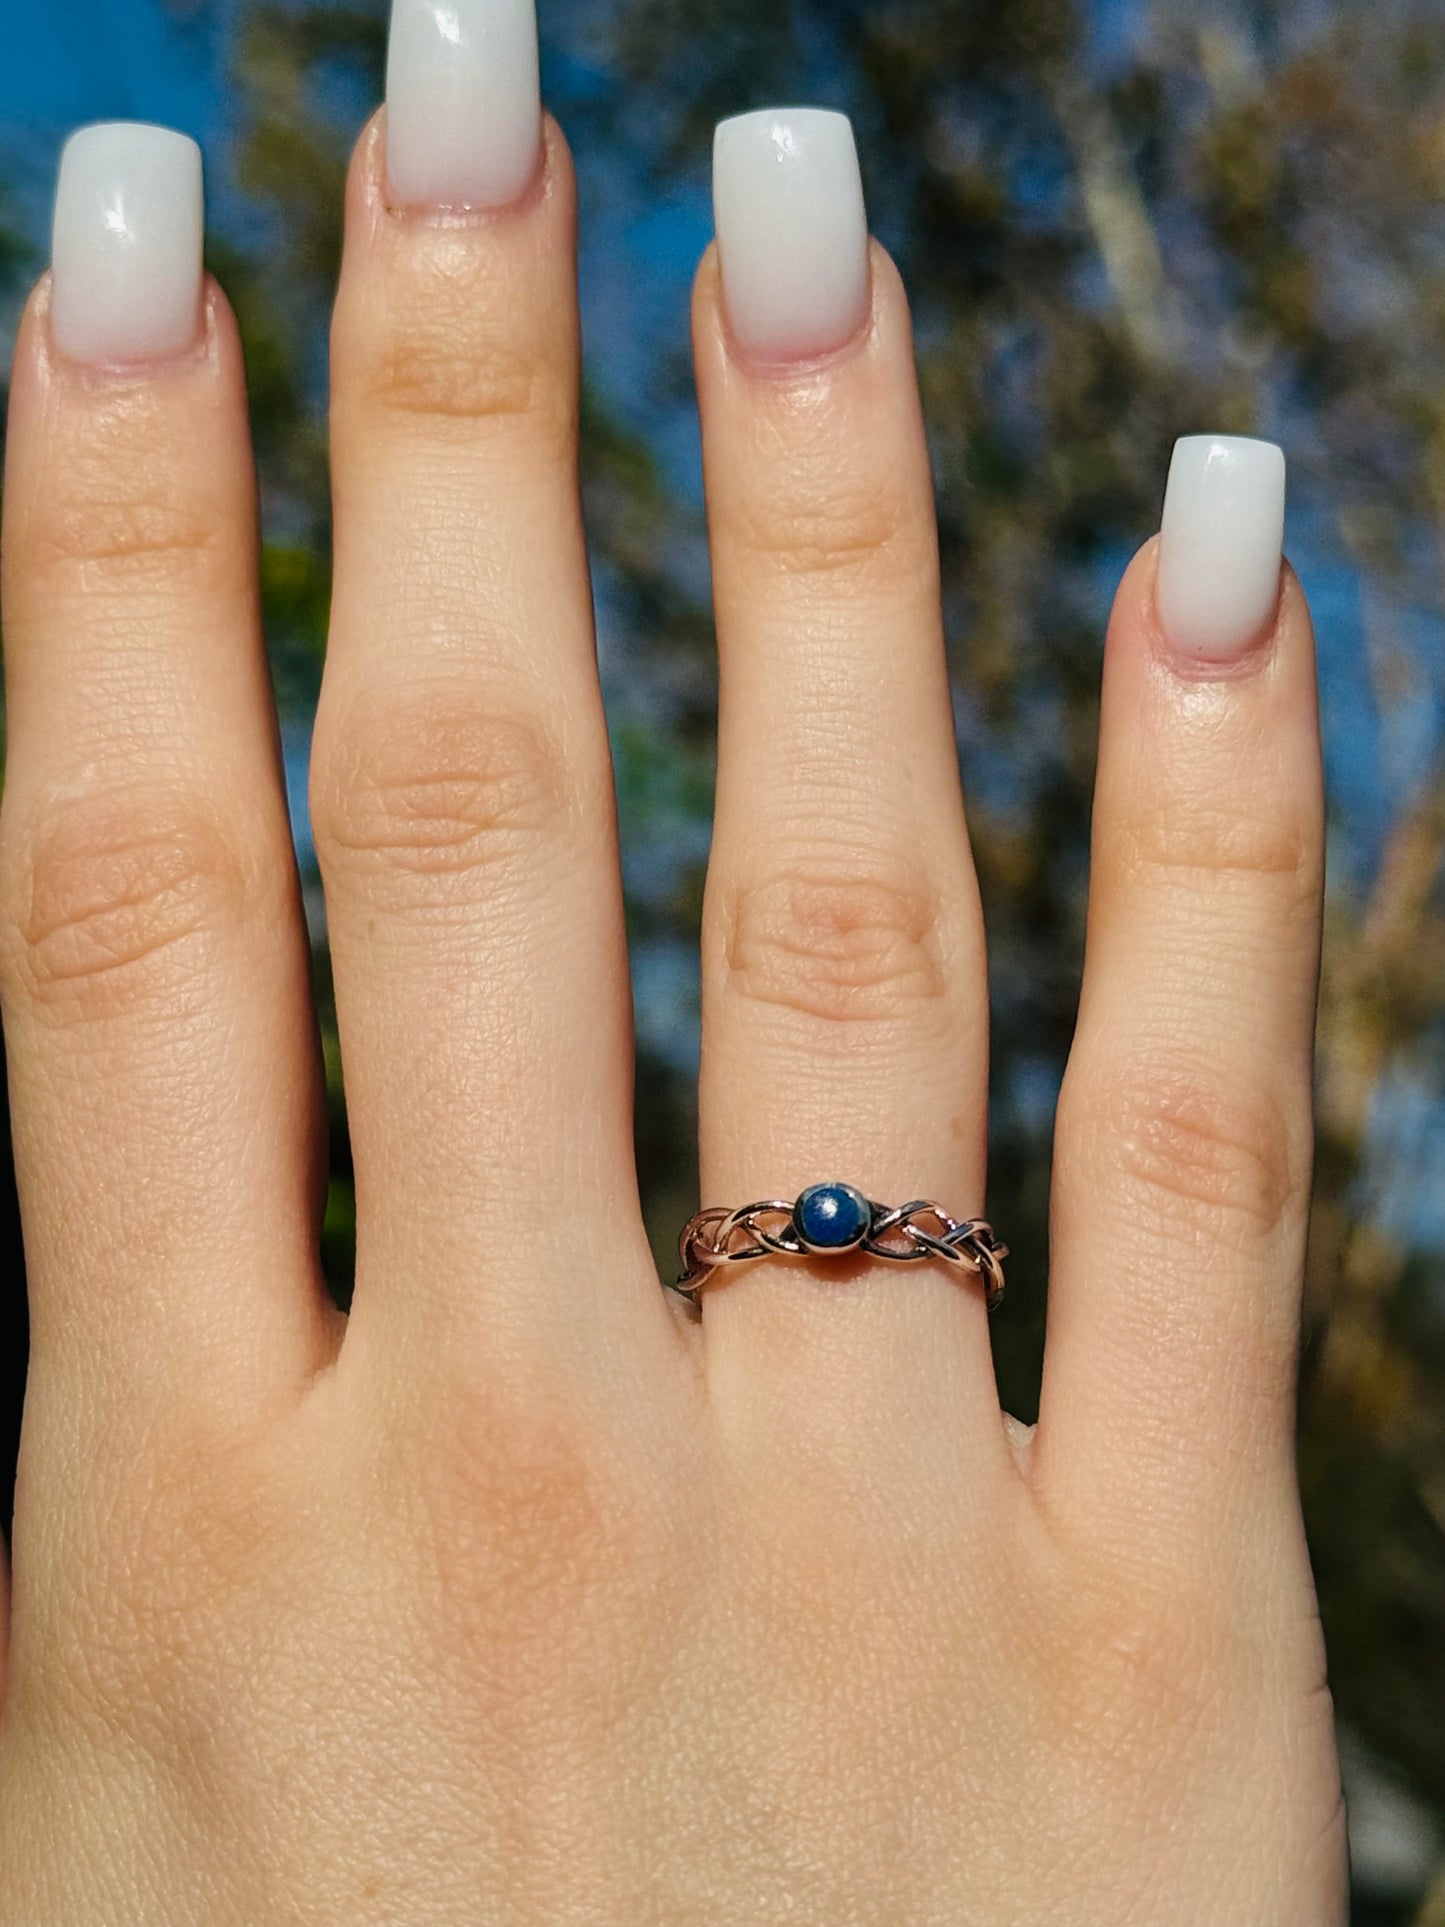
(1182, 1173)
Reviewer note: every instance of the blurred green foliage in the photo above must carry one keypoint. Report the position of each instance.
(1229, 219)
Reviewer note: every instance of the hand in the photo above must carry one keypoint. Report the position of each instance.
(521, 1596)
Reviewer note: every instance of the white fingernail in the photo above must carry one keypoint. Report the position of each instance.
(792, 231)
(463, 102)
(126, 248)
(1222, 545)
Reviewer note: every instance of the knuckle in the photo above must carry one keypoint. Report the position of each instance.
(839, 949)
(1204, 840)
(532, 1470)
(1137, 1667)
(197, 1540)
(1205, 1150)
(153, 1628)
(122, 499)
(439, 791)
(443, 358)
(114, 897)
(530, 1508)
(850, 529)
(126, 537)
(439, 383)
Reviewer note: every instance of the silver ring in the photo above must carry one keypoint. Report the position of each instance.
(831, 1221)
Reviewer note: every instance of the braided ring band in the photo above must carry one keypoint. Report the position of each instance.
(831, 1220)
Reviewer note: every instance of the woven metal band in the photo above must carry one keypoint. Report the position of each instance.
(832, 1221)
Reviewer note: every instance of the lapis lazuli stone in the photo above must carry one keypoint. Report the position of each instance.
(831, 1217)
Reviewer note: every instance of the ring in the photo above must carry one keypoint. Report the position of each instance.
(828, 1221)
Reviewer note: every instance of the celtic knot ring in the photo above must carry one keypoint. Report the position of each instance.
(830, 1220)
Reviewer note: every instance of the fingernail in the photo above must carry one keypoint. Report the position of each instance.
(463, 102)
(792, 231)
(1222, 545)
(126, 247)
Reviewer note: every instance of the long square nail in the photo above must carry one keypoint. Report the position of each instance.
(126, 249)
(1222, 546)
(792, 231)
(463, 102)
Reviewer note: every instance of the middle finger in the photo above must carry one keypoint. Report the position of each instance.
(462, 786)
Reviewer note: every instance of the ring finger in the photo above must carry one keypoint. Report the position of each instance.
(845, 1002)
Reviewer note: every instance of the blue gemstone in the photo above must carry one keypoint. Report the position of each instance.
(831, 1217)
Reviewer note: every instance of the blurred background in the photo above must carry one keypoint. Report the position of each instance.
(1119, 222)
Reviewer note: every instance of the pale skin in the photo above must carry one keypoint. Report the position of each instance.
(519, 1596)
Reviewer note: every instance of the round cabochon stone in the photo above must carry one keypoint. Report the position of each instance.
(832, 1217)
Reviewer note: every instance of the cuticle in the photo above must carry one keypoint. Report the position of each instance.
(1201, 672)
(114, 374)
(450, 218)
(1198, 671)
(813, 365)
